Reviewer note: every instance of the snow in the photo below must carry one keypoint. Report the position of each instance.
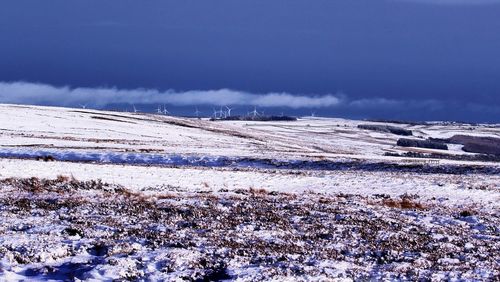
(141, 196)
(142, 178)
(308, 138)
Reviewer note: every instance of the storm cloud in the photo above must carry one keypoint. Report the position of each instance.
(397, 59)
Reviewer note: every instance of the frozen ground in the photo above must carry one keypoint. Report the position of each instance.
(65, 229)
(105, 195)
(308, 138)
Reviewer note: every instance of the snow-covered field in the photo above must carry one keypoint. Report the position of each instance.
(109, 195)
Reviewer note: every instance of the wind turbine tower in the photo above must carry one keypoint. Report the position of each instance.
(229, 111)
(165, 111)
(197, 113)
(222, 112)
(254, 112)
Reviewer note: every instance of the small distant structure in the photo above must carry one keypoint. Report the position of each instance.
(215, 113)
(222, 112)
(135, 109)
(229, 111)
(254, 113)
(83, 106)
(165, 111)
(197, 113)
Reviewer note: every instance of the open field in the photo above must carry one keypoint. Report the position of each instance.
(64, 228)
(107, 195)
(308, 138)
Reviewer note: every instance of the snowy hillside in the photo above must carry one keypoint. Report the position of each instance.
(311, 138)
(105, 195)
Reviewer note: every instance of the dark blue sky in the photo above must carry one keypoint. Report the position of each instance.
(410, 52)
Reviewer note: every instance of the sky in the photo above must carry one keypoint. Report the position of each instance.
(391, 59)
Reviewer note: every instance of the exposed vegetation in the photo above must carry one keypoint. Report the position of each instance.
(256, 118)
(399, 121)
(386, 128)
(474, 144)
(404, 142)
(479, 157)
(92, 227)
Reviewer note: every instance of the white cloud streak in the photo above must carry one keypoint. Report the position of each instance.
(374, 103)
(44, 94)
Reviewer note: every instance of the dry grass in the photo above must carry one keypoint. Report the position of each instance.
(258, 191)
(403, 203)
(303, 226)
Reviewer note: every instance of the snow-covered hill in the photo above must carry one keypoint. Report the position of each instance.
(109, 195)
(308, 138)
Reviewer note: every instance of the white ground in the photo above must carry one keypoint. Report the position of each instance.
(457, 190)
(312, 138)
(51, 127)
(28, 127)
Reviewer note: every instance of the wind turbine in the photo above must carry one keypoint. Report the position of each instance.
(313, 114)
(135, 109)
(229, 110)
(84, 106)
(222, 113)
(197, 113)
(254, 112)
(215, 113)
(159, 110)
(165, 112)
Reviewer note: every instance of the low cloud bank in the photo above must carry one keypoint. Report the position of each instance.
(373, 103)
(99, 98)
(44, 94)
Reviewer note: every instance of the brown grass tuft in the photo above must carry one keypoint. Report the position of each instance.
(466, 213)
(258, 191)
(63, 178)
(403, 203)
